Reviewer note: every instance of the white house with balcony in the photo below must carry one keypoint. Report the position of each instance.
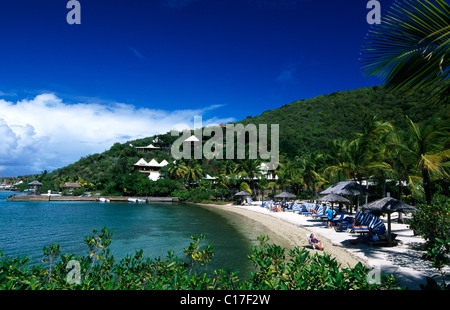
(150, 168)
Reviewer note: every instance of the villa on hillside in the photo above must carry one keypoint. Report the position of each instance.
(151, 168)
(147, 148)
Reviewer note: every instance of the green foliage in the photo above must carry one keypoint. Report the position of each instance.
(303, 271)
(195, 255)
(336, 131)
(308, 125)
(409, 50)
(198, 195)
(50, 254)
(432, 222)
(438, 255)
(100, 271)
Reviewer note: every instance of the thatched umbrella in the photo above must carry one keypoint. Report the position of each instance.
(333, 198)
(350, 187)
(345, 188)
(388, 205)
(36, 185)
(285, 195)
(243, 193)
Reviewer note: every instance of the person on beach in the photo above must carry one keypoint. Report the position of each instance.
(316, 242)
(329, 213)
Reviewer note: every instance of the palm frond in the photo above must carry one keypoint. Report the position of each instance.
(410, 48)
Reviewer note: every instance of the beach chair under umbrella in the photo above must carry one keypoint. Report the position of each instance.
(388, 205)
(242, 194)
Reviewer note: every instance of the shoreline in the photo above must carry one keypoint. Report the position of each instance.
(44, 197)
(404, 261)
(293, 235)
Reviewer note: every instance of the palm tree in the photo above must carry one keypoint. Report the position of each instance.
(227, 167)
(375, 138)
(311, 165)
(250, 169)
(221, 184)
(178, 170)
(353, 163)
(194, 172)
(335, 157)
(428, 146)
(289, 175)
(409, 50)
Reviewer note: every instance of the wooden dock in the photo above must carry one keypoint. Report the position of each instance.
(92, 198)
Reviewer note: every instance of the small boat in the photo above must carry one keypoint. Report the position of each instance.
(103, 199)
(135, 200)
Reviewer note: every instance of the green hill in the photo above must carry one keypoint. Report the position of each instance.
(305, 126)
(308, 125)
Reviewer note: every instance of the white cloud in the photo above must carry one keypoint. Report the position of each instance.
(46, 133)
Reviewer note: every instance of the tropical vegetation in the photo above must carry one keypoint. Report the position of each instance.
(395, 135)
(409, 49)
(275, 269)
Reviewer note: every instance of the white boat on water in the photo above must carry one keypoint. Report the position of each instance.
(134, 200)
(103, 199)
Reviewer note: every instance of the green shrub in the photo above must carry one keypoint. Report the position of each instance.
(99, 270)
(197, 195)
(433, 222)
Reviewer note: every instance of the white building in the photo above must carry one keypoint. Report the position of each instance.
(151, 168)
(147, 148)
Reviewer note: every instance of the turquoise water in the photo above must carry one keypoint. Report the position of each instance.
(156, 228)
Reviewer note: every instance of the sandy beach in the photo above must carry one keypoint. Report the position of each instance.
(404, 260)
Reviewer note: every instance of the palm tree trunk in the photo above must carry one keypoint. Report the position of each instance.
(400, 215)
(427, 186)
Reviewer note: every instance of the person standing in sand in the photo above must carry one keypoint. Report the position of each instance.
(329, 213)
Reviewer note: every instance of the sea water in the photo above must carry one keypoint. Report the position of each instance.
(156, 228)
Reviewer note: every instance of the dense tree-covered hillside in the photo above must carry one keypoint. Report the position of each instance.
(307, 127)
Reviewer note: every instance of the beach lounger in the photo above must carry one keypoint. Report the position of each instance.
(339, 220)
(267, 204)
(295, 207)
(320, 211)
(343, 226)
(310, 207)
(304, 209)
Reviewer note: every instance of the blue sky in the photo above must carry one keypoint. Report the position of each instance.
(135, 68)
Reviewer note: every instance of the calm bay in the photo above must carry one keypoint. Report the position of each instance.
(156, 228)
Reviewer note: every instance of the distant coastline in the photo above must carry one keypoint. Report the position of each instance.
(91, 198)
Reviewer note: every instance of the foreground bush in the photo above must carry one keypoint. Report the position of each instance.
(433, 222)
(274, 270)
